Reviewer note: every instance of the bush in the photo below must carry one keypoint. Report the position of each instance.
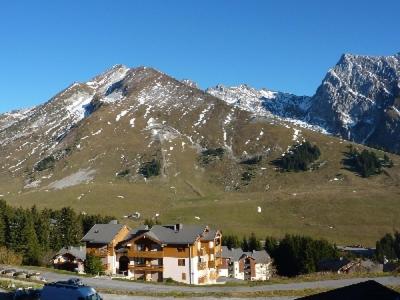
(366, 163)
(247, 176)
(299, 157)
(211, 154)
(123, 173)
(151, 168)
(93, 265)
(46, 163)
(9, 257)
(252, 160)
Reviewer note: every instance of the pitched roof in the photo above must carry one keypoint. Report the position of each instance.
(260, 256)
(173, 234)
(102, 233)
(235, 254)
(78, 252)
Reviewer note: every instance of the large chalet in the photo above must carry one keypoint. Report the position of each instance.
(184, 253)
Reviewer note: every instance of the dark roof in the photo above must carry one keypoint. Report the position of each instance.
(78, 252)
(332, 264)
(236, 254)
(173, 234)
(102, 233)
(209, 235)
(367, 290)
(260, 256)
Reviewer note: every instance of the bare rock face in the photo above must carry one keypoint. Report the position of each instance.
(357, 100)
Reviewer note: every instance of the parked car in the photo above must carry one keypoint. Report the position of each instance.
(26, 294)
(72, 289)
(9, 272)
(20, 274)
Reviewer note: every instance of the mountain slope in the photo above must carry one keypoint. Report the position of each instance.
(357, 99)
(86, 147)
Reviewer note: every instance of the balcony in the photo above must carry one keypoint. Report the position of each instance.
(98, 252)
(145, 254)
(147, 268)
(202, 265)
(211, 264)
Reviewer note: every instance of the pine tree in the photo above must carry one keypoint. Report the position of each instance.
(271, 244)
(93, 265)
(245, 244)
(29, 242)
(254, 243)
(3, 228)
(69, 227)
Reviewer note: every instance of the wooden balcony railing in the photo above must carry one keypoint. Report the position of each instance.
(154, 268)
(145, 254)
(98, 252)
(211, 264)
(202, 265)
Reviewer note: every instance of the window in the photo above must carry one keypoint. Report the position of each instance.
(181, 262)
(183, 276)
(181, 249)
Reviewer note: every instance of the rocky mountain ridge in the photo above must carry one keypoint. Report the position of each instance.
(357, 100)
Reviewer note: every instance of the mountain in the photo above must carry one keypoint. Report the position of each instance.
(264, 102)
(95, 145)
(359, 100)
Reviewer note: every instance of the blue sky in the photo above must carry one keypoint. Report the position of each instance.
(283, 45)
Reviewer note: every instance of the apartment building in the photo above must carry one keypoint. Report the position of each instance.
(235, 263)
(183, 253)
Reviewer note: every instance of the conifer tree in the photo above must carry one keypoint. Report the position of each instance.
(245, 244)
(254, 243)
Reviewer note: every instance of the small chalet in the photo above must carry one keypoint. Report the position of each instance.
(101, 241)
(70, 259)
(255, 265)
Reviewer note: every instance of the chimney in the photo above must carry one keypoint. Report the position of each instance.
(178, 227)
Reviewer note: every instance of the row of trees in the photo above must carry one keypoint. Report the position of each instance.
(292, 255)
(37, 235)
(388, 247)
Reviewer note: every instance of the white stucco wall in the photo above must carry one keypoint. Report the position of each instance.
(172, 270)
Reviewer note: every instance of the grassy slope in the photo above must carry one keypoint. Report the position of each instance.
(352, 210)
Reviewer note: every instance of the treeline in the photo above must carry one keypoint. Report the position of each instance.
(293, 255)
(37, 235)
(366, 163)
(388, 247)
(299, 157)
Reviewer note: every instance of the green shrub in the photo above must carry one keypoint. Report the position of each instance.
(252, 160)
(46, 163)
(151, 168)
(93, 265)
(299, 157)
(211, 154)
(366, 163)
(123, 173)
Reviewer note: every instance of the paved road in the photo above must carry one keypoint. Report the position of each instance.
(106, 283)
